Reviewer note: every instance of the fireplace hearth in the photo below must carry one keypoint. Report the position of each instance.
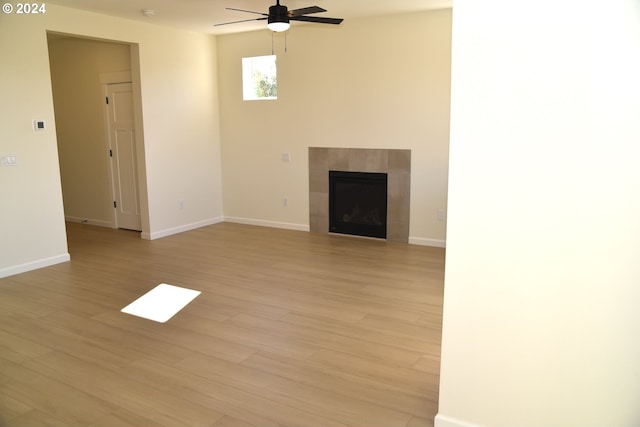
(358, 203)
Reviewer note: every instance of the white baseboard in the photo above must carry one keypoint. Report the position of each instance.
(304, 227)
(180, 229)
(89, 221)
(436, 243)
(34, 265)
(272, 224)
(444, 421)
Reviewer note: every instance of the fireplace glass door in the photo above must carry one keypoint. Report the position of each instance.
(358, 203)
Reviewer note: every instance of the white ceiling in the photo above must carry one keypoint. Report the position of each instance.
(200, 15)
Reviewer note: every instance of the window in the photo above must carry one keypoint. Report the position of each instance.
(259, 79)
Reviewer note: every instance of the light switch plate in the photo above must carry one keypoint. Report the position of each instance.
(8, 160)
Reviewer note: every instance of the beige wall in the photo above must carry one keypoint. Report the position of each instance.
(541, 319)
(179, 122)
(32, 230)
(355, 86)
(76, 67)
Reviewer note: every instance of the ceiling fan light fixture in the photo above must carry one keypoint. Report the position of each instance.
(278, 26)
(278, 19)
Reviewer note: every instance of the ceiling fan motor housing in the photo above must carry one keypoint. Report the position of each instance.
(278, 13)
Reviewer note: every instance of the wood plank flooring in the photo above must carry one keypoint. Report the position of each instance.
(291, 329)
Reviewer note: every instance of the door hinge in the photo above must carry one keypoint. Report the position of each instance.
(110, 153)
(107, 98)
(115, 205)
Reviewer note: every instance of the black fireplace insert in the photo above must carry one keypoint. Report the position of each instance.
(358, 203)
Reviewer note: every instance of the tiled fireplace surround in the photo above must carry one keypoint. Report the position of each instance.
(395, 163)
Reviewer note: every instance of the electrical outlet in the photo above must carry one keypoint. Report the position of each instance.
(440, 214)
(181, 204)
(286, 157)
(285, 201)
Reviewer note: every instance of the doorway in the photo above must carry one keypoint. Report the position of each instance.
(100, 157)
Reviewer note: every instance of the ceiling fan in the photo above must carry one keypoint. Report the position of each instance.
(279, 16)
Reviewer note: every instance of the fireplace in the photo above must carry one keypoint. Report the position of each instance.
(394, 163)
(358, 203)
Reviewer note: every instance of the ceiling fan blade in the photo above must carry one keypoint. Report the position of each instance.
(317, 19)
(248, 11)
(305, 11)
(236, 22)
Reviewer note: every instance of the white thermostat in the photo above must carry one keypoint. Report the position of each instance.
(39, 124)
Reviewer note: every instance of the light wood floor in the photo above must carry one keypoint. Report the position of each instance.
(291, 329)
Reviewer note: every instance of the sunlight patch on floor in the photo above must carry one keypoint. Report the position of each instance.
(161, 303)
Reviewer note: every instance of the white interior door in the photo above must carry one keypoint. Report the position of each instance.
(122, 147)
